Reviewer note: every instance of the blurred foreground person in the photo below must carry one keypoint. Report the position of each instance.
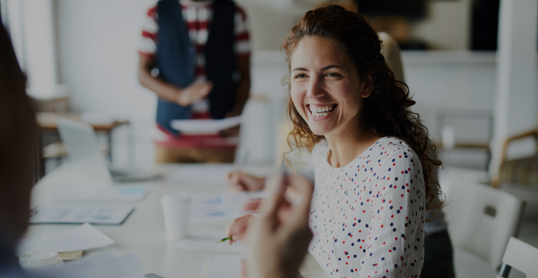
(18, 142)
(278, 239)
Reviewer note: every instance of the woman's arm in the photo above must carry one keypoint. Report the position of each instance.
(238, 227)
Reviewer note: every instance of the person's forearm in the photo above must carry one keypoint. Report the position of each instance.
(242, 94)
(243, 88)
(163, 89)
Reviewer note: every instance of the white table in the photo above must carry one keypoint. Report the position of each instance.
(143, 231)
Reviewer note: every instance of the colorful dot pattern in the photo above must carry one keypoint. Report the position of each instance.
(367, 217)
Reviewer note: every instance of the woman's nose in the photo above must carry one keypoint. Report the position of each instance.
(315, 88)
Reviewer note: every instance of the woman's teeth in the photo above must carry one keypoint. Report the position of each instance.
(320, 111)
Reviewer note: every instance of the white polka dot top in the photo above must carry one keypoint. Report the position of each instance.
(367, 217)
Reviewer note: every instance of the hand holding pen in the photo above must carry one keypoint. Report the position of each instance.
(224, 239)
(237, 229)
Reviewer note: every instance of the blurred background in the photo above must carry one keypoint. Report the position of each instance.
(81, 57)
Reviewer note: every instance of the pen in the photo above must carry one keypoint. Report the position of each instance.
(223, 240)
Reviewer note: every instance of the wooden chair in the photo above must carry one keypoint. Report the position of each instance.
(521, 170)
(521, 256)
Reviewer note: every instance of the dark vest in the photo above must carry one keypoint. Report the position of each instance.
(176, 59)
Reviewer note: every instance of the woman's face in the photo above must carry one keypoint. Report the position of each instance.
(325, 86)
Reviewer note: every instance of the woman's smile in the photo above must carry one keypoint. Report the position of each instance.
(319, 112)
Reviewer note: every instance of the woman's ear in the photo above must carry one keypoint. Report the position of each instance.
(367, 86)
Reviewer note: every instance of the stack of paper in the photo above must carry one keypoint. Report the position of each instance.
(204, 126)
(106, 265)
(79, 215)
(83, 237)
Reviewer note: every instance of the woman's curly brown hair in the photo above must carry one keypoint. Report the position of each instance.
(387, 110)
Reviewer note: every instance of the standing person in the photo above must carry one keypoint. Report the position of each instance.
(195, 55)
(374, 165)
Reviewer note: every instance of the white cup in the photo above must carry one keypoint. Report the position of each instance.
(176, 210)
(39, 259)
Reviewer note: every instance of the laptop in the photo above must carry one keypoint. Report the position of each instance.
(84, 153)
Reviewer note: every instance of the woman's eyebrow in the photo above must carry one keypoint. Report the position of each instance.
(332, 66)
(324, 68)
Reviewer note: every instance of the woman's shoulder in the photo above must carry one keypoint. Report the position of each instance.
(392, 147)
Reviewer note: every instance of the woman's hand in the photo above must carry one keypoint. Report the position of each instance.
(278, 240)
(243, 182)
(237, 229)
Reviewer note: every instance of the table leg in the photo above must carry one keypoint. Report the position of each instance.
(131, 144)
(109, 142)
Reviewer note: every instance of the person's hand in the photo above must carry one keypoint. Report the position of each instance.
(243, 182)
(277, 242)
(234, 130)
(194, 93)
(237, 229)
(231, 131)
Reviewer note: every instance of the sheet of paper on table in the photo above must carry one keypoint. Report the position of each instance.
(101, 194)
(105, 265)
(204, 126)
(207, 174)
(82, 237)
(205, 240)
(220, 207)
(80, 214)
(224, 266)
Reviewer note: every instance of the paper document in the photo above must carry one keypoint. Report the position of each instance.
(215, 207)
(205, 126)
(224, 266)
(79, 215)
(82, 237)
(207, 173)
(101, 194)
(105, 265)
(205, 240)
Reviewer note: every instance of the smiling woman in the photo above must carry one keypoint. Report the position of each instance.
(374, 165)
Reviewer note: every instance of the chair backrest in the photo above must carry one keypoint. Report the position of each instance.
(521, 256)
(481, 219)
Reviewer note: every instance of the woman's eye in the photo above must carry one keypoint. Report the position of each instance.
(333, 74)
(301, 75)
